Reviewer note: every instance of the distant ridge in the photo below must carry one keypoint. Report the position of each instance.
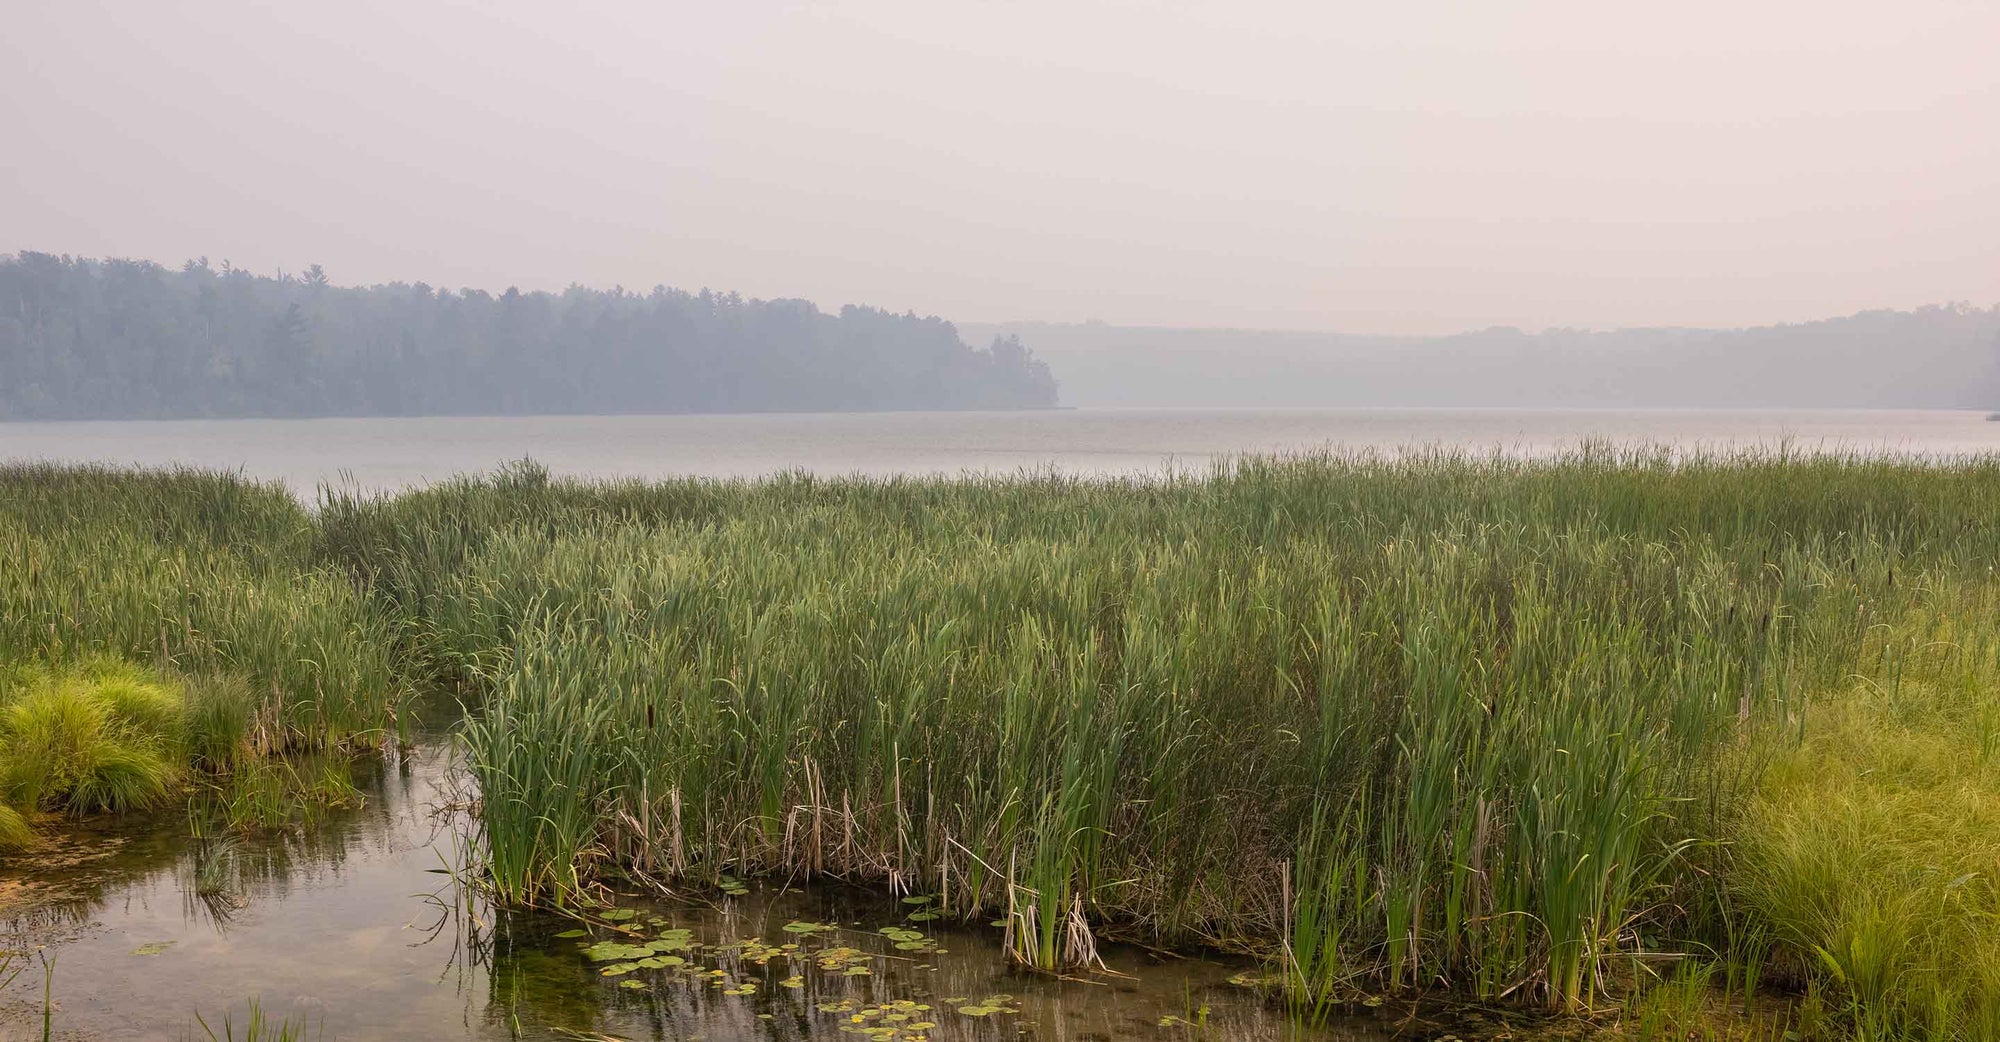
(1943, 357)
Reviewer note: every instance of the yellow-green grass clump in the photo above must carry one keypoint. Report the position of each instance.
(99, 736)
(1871, 852)
(15, 832)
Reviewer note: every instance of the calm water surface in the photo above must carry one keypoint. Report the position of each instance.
(348, 924)
(395, 453)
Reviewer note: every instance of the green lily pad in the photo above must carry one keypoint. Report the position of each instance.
(152, 947)
(917, 899)
(566, 934)
(606, 951)
(617, 915)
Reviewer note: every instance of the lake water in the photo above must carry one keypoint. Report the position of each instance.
(380, 454)
(349, 925)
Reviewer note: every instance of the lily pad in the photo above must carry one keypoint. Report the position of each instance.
(566, 934)
(606, 951)
(152, 947)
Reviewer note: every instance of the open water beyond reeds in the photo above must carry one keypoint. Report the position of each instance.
(390, 453)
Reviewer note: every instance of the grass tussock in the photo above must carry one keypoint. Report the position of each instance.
(1871, 850)
(15, 832)
(100, 737)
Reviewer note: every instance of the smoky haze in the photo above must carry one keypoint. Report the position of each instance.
(1940, 357)
(1420, 168)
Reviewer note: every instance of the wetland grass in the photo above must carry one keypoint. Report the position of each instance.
(206, 576)
(157, 626)
(1569, 732)
(1398, 723)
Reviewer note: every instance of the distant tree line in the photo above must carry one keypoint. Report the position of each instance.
(85, 338)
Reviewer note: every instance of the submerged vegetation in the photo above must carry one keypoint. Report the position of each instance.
(257, 1027)
(1678, 733)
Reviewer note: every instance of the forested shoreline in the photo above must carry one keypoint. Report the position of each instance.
(126, 339)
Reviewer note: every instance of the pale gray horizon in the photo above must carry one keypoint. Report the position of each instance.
(1415, 168)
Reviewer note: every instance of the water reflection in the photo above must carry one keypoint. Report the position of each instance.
(357, 923)
(746, 977)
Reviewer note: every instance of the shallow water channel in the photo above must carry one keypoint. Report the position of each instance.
(357, 925)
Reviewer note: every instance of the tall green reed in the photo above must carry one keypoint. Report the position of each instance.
(1403, 720)
(207, 575)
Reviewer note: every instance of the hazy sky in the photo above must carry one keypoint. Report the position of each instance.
(1379, 167)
